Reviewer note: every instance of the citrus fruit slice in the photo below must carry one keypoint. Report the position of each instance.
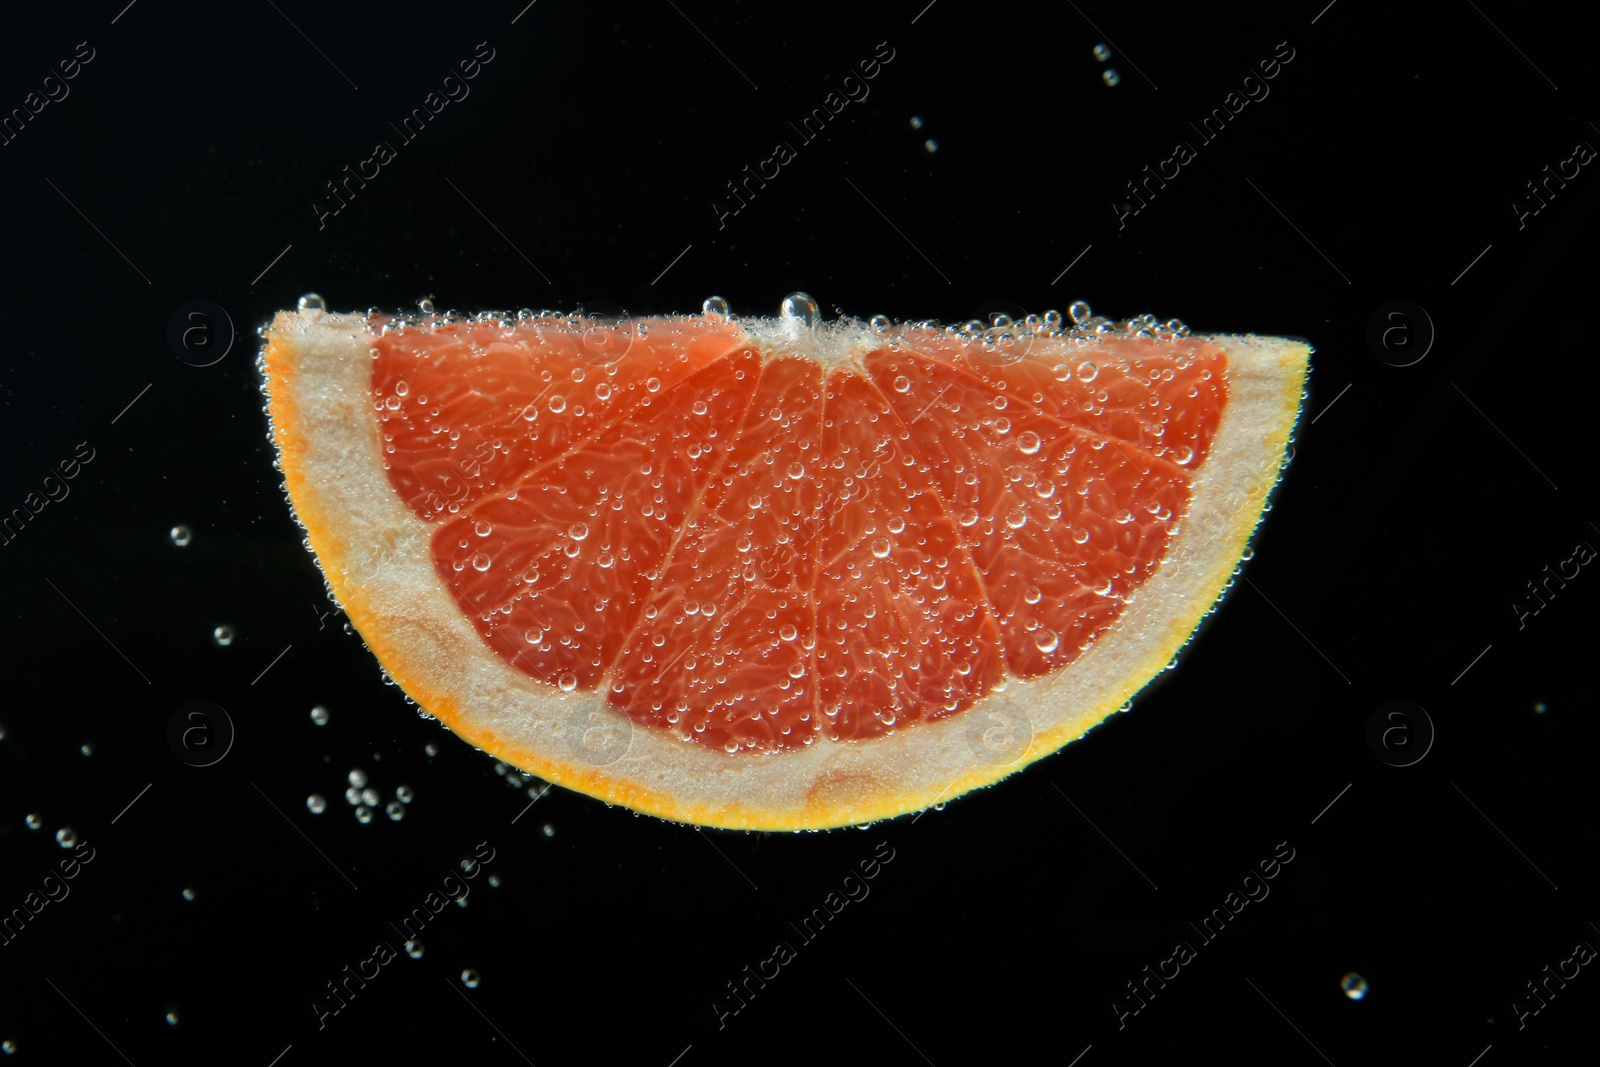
(774, 573)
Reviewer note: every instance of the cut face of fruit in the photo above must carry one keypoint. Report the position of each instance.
(774, 574)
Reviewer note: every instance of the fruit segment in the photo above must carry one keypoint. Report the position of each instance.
(1062, 519)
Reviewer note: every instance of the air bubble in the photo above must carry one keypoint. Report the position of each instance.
(223, 636)
(1079, 311)
(66, 837)
(567, 682)
(902, 384)
(395, 810)
(471, 978)
(319, 715)
(715, 307)
(799, 310)
(1087, 371)
(880, 547)
(363, 814)
(1354, 986)
(1111, 77)
(181, 536)
(578, 531)
(311, 304)
(558, 403)
(1016, 518)
(1046, 640)
(787, 632)
(880, 324)
(315, 804)
(1028, 443)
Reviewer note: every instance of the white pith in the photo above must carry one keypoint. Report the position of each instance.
(832, 344)
(376, 555)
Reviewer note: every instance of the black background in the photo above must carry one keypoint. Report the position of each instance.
(1385, 164)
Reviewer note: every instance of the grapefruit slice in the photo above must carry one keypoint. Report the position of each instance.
(774, 574)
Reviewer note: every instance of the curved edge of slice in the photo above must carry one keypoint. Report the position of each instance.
(375, 556)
